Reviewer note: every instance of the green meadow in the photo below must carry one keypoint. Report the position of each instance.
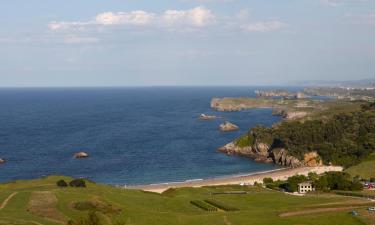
(365, 169)
(40, 201)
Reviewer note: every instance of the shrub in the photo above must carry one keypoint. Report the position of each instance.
(293, 182)
(96, 205)
(77, 183)
(61, 183)
(221, 205)
(91, 219)
(337, 181)
(203, 205)
(267, 180)
(244, 141)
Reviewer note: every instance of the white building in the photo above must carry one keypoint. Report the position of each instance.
(305, 187)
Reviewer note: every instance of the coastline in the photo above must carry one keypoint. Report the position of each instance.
(248, 179)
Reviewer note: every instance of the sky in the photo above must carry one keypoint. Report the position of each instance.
(184, 42)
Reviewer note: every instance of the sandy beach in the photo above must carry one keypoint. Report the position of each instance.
(279, 174)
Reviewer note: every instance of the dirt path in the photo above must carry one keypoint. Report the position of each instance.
(5, 202)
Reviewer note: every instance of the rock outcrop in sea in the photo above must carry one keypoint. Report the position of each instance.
(227, 126)
(2, 160)
(207, 117)
(262, 152)
(80, 155)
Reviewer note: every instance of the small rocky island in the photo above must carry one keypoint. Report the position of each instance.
(207, 117)
(2, 161)
(227, 126)
(80, 155)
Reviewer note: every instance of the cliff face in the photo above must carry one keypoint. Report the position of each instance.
(262, 152)
(258, 152)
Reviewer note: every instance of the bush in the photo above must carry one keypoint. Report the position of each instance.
(293, 182)
(267, 180)
(203, 205)
(91, 219)
(221, 205)
(61, 183)
(244, 141)
(77, 183)
(337, 181)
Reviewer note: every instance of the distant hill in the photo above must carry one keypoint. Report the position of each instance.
(366, 83)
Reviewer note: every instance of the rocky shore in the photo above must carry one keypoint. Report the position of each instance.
(227, 126)
(207, 117)
(288, 109)
(262, 152)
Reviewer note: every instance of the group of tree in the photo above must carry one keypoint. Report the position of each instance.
(326, 182)
(73, 183)
(344, 139)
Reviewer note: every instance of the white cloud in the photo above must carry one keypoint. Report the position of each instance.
(173, 20)
(122, 18)
(196, 17)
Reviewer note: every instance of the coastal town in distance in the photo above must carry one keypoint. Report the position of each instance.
(188, 112)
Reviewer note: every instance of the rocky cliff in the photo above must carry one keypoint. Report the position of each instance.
(262, 152)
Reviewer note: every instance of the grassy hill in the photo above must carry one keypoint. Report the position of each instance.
(365, 169)
(40, 201)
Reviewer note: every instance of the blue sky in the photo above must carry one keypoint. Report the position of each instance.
(185, 42)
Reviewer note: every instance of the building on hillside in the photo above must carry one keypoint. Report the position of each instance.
(305, 187)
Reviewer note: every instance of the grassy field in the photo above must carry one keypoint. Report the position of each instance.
(42, 202)
(365, 169)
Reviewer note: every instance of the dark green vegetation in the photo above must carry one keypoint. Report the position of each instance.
(62, 183)
(327, 182)
(204, 205)
(220, 205)
(77, 183)
(341, 137)
(41, 201)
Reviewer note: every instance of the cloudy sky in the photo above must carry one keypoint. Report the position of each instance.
(184, 42)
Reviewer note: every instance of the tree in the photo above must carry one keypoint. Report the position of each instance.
(322, 184)
(313, 176)
(293, 182)
(77, 183)
(61, 183)
(267, 180)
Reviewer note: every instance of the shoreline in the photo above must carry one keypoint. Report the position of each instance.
(248, 179)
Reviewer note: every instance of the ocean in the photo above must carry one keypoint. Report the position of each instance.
(134, 135)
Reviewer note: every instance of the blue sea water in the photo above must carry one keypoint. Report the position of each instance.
(137, 135)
